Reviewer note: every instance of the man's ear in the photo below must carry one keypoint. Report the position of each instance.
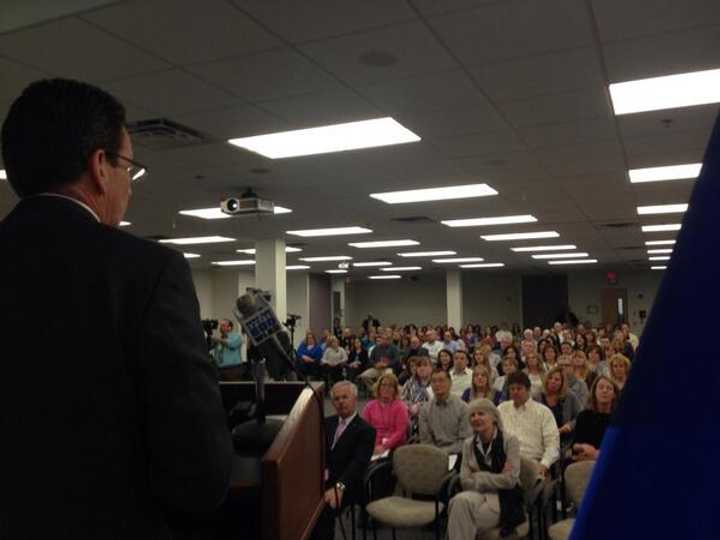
(97, 170)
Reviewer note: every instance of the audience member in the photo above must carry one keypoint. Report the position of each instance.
(383, 359)
(619, 370)
(489, 477)
(417, 390)
(334, 360)
(582, 368)
(309, 354)
(550, 355)
(227, 352)
(564, 404)
(387, 414)
(536, 373)
(443, 420)
(592, 423)
(445, 360)
(629, 336)
(481, 385)
(357, 359)
(432, 345)
(596, 360)
(460, 374)
(575, 385)
(509, 366)
(531, 422)
(481, 356)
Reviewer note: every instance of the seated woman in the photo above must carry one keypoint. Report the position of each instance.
(308, 356)
(489, 476)
(550, 356)
(334, 360)
(596, 360)
(481, 385)
(387, 414)
(417, 390)
(582, 369)
(536, 372)
(619, 369)
(445, 360)
(481, 357)
(509, 365)
(357, 359)
(592, 422)
(564, 404)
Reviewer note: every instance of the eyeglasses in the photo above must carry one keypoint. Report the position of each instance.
(135, 170)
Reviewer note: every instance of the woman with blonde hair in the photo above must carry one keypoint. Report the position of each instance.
(582, 368)
(388, 414)
(481, 386)
(536, 372)
(619, 369)
(593, 422)
(481, 357)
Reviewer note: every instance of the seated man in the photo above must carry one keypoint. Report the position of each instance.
(349, 446)
(531, 422)
(461, 375)
(444, 420)
(383, 359)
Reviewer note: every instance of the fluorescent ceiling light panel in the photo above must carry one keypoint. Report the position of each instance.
(3, 174)
(251, 251)
(661, 228)
(401, 269)
(427, 254)
(668, 92)
(191, 255)
(662, 209)
(332, 231)
(660, 242)
(326, 139)
(658, 267)
(384, 243)
(389, 276)
(658, 251)
(330, 258)
(234, 263)
(297, 267)
(481, 222)
(370, 264)
(465, 191)
(483, 265)
(197, 240)
(459, 260)
(543, 248)
(660, 258)
(216, 213)
(520, 236)
(662, 174)
(336, 271)
(578, 261)
(124, 224)
(559, 255)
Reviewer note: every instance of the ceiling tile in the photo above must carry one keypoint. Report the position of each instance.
(14, 78)
(190, 31)
(16, 15)
(581, 132)
(671, 147)
(558, 108)
(583, 159)
(673, 121)
(453, 120)
(321, 108)
(234, 121)
(73, 48)
(482, 143)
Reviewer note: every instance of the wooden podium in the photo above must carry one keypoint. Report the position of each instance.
(288, 478)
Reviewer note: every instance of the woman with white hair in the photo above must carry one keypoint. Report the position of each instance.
(489, 476)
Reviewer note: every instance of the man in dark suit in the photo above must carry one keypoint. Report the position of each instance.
(349, 446)
(112, 423)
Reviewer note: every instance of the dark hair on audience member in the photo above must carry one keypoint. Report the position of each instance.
(599, 350)
(53, 128)
(514, 348)
(519, 377)
(438, 370)
(592, 403)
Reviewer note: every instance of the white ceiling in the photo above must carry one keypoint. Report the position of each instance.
(508, 92)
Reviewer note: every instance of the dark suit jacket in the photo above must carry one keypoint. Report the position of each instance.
(350, 458)
(111, 416)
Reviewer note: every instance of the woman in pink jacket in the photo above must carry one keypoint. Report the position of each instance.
(387, 414)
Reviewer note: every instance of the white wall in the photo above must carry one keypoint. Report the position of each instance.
(298, 301)
(492, 298)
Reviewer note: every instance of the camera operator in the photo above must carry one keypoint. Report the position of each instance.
(227, 352)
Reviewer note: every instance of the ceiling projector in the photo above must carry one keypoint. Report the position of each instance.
(247, 204)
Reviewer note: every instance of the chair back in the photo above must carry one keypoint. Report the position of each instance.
(577, 477)
(420, 468)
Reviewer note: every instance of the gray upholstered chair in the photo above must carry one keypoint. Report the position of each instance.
(421, 470)
(577, 477)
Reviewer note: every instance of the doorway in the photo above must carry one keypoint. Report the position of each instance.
(615, 307)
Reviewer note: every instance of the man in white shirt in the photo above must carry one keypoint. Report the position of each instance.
(432, 345)
(461, 375)
(531, 422)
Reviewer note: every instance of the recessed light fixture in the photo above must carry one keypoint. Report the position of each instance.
(251, 251)
(658, 267)
(401, 269)
(216, 213)
(661, 228)
(659, 258)
(124, 224)
(427, 254)
(483, 265)
(459, 260)
(191, 255)
(234, 263)
(384, 243)
(297, 267)
(389, 276)
(578, 261)
(520, 236)
(658, 251)
(466, 191)
(559, 255)
(371, 264)
(480, 222)
(323, 140)
(3, 174)
(660, 242)
(332, 231)
(662, 174)
(543, 248)
(197, 240)
(662, 209)
(667, 92)
(336, 271)
(323, 259)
